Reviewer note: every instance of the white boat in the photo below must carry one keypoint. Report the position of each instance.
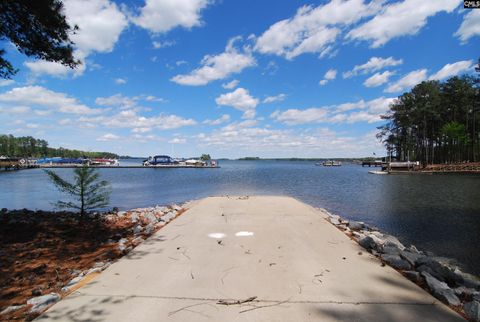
(104, 162)
(195, 162)
(331, 163)
(377, 172)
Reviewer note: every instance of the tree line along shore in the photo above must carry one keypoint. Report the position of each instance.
(436, 122)
(28, 146)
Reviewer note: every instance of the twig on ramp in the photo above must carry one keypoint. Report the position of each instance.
(263, 306)
(236, 302)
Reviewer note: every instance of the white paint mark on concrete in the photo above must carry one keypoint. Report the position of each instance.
(216, 235)
(244, 234)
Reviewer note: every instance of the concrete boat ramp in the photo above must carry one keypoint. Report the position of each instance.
(250, 259)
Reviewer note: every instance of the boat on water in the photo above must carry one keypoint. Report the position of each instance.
(195, 162)
(378, 172)
(330, 163)
(104, 162)
(159, 160)
(61, 161)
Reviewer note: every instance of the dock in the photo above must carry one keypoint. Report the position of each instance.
(73, 166)
(250, 259)
(132, 166)
(372, 163)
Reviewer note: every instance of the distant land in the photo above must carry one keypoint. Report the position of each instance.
(310, 159)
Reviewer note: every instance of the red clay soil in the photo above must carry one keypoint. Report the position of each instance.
(41, 251)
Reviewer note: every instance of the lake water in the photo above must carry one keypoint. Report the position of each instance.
(439, 213)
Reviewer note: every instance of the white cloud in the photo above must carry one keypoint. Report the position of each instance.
(165, 44)
(454, 69)
(360, 111)
(6, 82)
(239, 140)
(222, 119)
(108, 137)
(400, 19)
(409, 80)
(65, 122)
(374, 64)
(42, 97)
(130, 119)
(331, 74)
(43, 67)
(120, 81)
(470, 26)
(160, 16)
(16, 110)
(177, 141)
(231, 85)
(378, 79)
(117, 100)
(124, 102)
(296, 116)
(100, 24)
(273, 99)
(141, 129)
(218, 66)
(313, 30)
(151, 98)
(241, 100)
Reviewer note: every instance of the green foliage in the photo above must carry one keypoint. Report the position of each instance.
(87, 190)
(37, 28)
(454, 131)
(435, 122)
(205, 157)
(28, 146)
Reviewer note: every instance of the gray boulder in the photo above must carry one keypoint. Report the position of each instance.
(12, 308)
(413, 276)
(161, 209)
(438, 270)
(463, 292)
(150, 217)
(358, 235)
(396, 262)
(355, 225)
(335, 219)
(414, 249)
(410, 257)
(441, 290)
(134, 217)
(40, 303)
(391, 250)
(371, 242)
(137, 230)
(121, 214)
(149, 228)
(472, 310)
(466, 279)
(392, 241)
(476, 296)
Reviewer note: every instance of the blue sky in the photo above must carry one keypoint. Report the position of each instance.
(236, 78)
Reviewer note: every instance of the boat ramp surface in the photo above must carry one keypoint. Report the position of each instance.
(250, 259)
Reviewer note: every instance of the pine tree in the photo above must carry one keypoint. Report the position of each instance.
(87, 190)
